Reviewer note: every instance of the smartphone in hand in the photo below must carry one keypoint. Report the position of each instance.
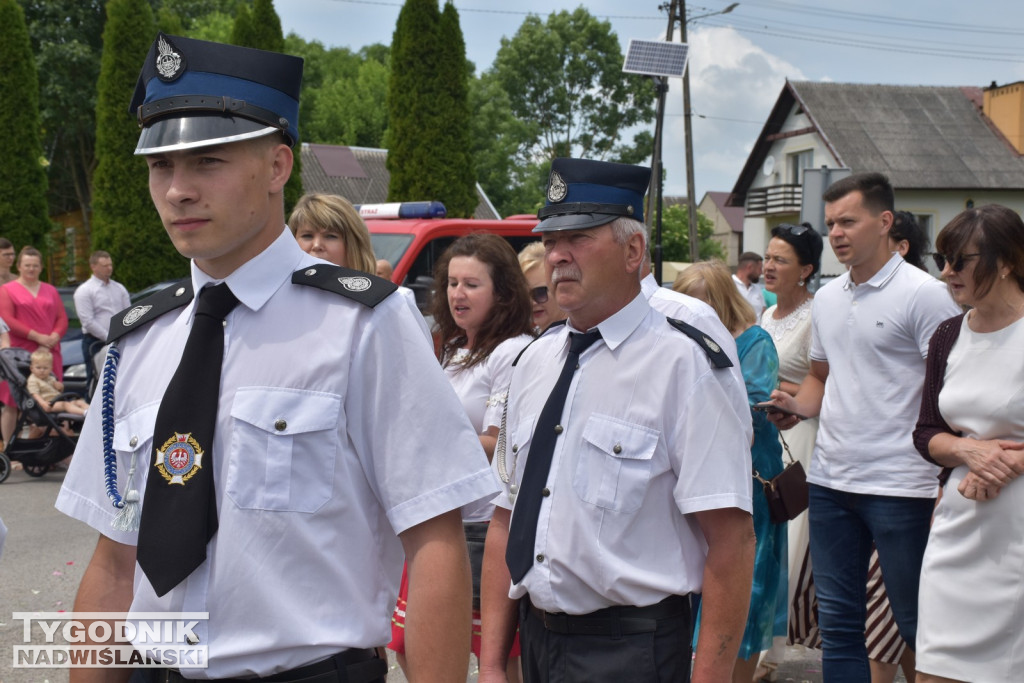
(769, 407)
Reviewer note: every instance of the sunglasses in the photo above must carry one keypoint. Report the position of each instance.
(539, 294)
(956, 265)
(794, 230)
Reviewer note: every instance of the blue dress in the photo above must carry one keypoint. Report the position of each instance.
(759, 363)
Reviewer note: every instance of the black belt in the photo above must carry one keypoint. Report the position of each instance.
(615, 621)
(350, 666)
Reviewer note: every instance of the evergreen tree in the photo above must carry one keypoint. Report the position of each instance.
(124, 220)
(260, 27)
(23, 209)
(453, 172)
(414, 116)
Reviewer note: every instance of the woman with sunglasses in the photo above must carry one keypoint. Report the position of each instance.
(481, 310)
(971, 607)
(545, 311)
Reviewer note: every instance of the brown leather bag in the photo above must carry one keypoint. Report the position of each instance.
(787, 491)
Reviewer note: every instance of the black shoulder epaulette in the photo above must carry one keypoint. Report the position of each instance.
(150, 308)
(546, 329)
(367, 289)
(710, 346)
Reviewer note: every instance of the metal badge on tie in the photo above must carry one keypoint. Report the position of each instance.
(179, 458)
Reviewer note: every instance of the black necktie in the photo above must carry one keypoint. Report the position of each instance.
(522, 533)
(179, 511)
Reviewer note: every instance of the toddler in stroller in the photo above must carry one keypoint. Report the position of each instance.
(41, 439)
(46, 389)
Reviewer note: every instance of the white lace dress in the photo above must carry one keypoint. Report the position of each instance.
(792, 337)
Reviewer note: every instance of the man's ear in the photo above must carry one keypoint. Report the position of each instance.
(281, 168)
(887, 221)
(635, 246)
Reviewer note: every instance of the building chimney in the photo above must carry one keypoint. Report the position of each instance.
(1004, 106)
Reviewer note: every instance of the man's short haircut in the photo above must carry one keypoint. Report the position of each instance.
(623, 227)
(6, 243)
(997, 234)
(95, 256)
(874, 188)
(749, 257)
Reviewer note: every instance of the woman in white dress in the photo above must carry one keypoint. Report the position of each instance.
(971, 618)
(482, 317)
(791, 259)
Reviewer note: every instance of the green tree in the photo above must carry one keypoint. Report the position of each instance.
(453, 162)
(23, 210)
(260, 27)
(497, 135)
(413, 114)
(675, 234)
(124, 220)
(66, 41)
(565, 77)
(428, 120)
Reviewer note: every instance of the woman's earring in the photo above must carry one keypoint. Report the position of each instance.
(801, 283)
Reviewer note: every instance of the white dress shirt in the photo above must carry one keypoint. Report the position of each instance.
(752, 293)
(650, 437)
(337, 431)
(96, 301)
(875, 337)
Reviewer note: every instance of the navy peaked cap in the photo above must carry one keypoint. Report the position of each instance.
(194, 93)
(583, 193)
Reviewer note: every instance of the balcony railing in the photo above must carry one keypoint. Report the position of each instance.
(763, 201)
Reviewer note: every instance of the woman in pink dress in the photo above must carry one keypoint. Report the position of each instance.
(34, 312)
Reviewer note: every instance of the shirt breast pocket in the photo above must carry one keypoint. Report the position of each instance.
(613, 467)
(133, 438)
(283, 448)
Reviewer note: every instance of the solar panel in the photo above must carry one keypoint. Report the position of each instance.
(656, 58)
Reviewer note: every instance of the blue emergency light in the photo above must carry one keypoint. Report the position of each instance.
(402, 210)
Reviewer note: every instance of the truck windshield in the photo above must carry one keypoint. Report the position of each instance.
(390, 247)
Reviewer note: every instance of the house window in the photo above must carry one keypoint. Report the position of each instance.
(796, 163)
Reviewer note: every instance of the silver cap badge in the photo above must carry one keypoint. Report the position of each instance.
(169, 63)
(557, 189)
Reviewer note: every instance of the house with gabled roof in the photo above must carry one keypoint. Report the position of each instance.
(943, 148)
(360, 175)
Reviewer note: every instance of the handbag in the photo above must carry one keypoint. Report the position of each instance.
(786, 492)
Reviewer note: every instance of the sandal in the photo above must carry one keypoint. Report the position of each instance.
(767, 671)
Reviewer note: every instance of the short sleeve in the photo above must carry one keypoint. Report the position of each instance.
(930, 306)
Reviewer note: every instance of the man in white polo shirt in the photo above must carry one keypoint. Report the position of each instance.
(870, 333)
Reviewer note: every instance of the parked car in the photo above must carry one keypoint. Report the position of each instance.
(71, 345)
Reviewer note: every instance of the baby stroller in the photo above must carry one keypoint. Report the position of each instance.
(48, 437)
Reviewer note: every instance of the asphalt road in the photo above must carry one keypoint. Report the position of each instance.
(46, 553)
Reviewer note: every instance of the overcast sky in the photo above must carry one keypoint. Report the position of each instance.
(739, 61)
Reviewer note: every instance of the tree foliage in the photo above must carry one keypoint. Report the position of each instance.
(426, 92)
(23, 210)
(260, 27)
(67, 41)
(565, 76)
(675, 234)
(124, 220)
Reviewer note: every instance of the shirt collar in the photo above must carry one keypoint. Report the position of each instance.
(882, 277)
(256, 280)
(617, 327)
(649, 285)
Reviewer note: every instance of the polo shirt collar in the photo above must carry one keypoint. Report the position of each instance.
(882, 277)
(256, 280)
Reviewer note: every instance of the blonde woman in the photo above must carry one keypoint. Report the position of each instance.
(711, 282)
(329, 227)
(544, 309)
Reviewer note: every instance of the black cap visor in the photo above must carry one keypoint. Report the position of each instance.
(189, 131)
(579, 215)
